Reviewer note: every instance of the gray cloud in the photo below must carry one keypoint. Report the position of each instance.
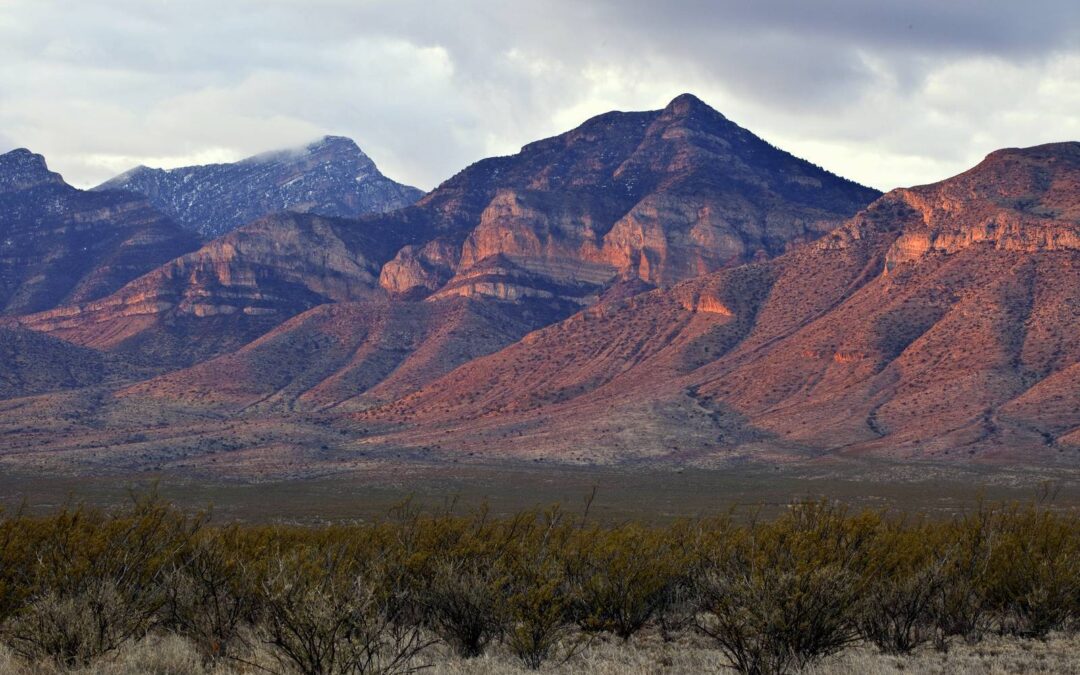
(888, 93)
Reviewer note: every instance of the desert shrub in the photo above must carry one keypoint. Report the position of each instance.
(961, 607)
(623, 578)
(901, 585)
(537, 598)
(680, 601)
(773, 595)
(211, 595)
(679, 605)
(773, 621)
(1033, 578)
(75, 628)
(19, 539)
(464, 605)
(783, 595)
(94, 580)
(322, 615)
(441, 571)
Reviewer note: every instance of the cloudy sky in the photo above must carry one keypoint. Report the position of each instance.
(888, 92)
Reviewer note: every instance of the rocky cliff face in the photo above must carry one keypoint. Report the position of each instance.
(663, 195)
(331, 177)
(420, 270)
(22, 170)
(61, 245)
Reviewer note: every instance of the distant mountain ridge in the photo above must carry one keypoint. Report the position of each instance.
(329, 177)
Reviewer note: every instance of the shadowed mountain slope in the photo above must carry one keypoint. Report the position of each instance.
(61, 245)
(32, 363)
(348, 355)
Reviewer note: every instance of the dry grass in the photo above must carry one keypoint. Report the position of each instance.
(172, 655)
(995, 656)
(154, 655)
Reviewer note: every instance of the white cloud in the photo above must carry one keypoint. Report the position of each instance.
(890, 93)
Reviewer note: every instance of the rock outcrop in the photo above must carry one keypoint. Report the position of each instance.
(417, 271)
(1015, 200)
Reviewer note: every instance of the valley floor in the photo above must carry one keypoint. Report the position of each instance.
(644, 493)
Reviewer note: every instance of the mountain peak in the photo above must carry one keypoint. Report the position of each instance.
(685, 105)
(342, 151)
(338, 149)
(21, 169)
(335, 143)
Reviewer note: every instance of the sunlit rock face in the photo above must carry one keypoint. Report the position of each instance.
(419, 270)
(59, 244)
(330, 177)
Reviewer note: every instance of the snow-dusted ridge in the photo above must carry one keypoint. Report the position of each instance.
(330, 176)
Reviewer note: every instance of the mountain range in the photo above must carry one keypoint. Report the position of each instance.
(661, 287)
